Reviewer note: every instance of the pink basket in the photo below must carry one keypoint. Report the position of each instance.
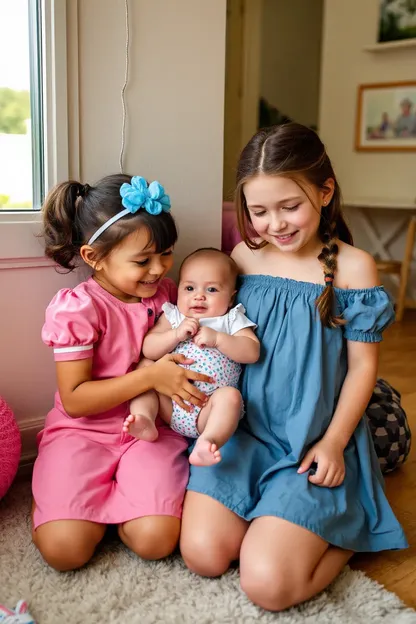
(10, 447)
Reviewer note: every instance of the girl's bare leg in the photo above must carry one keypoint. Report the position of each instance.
(67, 544)
(151, 537)
(211, 535)
(283, 564)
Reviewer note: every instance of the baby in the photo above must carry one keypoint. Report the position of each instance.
(218, 338)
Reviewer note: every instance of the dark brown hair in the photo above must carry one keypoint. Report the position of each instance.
(213, 251)
(72, 212)
(296, 152)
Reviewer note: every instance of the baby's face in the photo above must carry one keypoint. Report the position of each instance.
(206, 287)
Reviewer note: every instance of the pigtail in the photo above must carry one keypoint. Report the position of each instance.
(60, 231)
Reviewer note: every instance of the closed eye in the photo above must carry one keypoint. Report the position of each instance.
(142, 263)
(291, 208)
(261, 213)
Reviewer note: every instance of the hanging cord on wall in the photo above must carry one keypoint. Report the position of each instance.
(123, 89)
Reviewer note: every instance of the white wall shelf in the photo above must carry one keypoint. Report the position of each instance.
(391, 45)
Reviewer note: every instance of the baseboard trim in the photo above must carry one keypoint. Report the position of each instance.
(28, 432)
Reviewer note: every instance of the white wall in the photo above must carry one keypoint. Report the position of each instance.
(175, 103)
(290, 57)
(348, 28)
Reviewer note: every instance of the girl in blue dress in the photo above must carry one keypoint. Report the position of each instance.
(299, 489)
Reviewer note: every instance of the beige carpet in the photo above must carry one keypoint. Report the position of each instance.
(118, 588)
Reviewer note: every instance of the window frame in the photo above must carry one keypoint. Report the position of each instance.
(18, 229)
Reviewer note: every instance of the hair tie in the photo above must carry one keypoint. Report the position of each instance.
(329, 278)
(83, 190)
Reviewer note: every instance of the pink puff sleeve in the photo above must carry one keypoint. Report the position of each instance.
(71, 325)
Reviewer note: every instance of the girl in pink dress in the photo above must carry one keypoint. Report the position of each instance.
(89, 473)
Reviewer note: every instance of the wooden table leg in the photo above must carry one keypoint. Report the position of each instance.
(405, 271)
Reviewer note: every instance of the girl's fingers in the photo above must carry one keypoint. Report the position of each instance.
(307, 462)
(193, 393)
(340, 478)
(178, 400)
(320, 475)
(199, 377)
(330, 477)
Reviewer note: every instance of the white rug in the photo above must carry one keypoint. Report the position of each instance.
(118, 588)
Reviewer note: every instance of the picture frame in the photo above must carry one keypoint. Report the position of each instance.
(397, 20)
(386, 117)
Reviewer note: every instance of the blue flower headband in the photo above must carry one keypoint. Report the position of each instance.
(138, 194)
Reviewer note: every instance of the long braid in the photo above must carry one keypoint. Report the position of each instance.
(328, 257)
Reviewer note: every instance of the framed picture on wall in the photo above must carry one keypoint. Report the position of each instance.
(397, 20)
(386, 117)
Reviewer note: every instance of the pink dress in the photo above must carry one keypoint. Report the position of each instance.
(87, 468)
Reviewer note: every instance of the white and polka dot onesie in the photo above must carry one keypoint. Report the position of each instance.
(209, 361)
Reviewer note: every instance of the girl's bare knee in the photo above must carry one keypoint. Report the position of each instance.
(204, 556)
(151, 537)
(67, 544)
(270, 592)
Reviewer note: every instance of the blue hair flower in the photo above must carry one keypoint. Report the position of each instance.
(138, 194)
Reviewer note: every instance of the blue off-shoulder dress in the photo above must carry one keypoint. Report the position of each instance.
(290, 396)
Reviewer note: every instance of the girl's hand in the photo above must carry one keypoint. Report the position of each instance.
(174, 381)
(206, 337)
(330, 460)
(187, 329)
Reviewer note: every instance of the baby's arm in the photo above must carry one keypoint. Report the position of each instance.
(242, 347)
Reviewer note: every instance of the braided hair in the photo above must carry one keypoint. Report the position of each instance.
(295, 151)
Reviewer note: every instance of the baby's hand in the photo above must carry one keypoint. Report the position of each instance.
(330, 460)
(206, 337)
(187, 329)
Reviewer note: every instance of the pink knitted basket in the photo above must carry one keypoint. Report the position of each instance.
(10, 447)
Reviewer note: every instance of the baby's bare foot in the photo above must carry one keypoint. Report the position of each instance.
(205, 453)
(141, 427)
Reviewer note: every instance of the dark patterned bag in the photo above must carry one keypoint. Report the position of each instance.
(389, 426)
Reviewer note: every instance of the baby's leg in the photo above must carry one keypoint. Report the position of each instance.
(141, 421)
(143, 411)
(217, 422)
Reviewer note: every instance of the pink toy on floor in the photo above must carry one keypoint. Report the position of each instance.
(10, 447)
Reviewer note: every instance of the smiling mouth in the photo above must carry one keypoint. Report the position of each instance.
(150, 283)
(286, 237)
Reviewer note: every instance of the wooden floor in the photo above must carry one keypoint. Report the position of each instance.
(396, 570)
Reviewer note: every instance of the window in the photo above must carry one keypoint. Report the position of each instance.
(21, 105)
(34, 124)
